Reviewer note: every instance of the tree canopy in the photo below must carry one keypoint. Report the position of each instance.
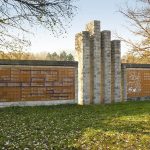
(139, 18)
(63, 56)
(15, 15)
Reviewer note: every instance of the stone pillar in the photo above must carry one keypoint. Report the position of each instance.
(82, 44)
(124, 83)
(95, 47)
(106, 65)
(116, 70)
(76, 85)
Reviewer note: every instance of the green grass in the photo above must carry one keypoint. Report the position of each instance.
(118, 126)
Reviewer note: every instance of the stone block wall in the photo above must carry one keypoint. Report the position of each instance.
(102, 66)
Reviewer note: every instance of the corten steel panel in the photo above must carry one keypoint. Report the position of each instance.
(138, 82)
(10, 93)
(5, 74)
(26, 83)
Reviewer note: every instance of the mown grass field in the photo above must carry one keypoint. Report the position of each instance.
(124, 126)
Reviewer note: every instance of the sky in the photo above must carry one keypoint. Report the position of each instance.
(104, 10)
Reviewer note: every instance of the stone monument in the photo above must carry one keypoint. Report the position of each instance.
(99, 66)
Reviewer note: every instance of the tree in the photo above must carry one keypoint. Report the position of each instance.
(63, 56)
(70, 57)
(139, 18)
(16, 51)
(17, 14)
(55, 56)
(131, 58)
(49, 56)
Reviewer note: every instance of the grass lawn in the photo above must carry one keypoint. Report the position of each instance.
(124, 126)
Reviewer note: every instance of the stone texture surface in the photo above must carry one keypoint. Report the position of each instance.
(138, 98)
(124, 83)
(38, 63)
(99, 59)
(36, 103)
(106, 65)
(82, 44)
(116, 70)
(95, 57)
(76, 85)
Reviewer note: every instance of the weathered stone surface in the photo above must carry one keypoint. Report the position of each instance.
(103, 74)
(82, 43)
(124, 83)
(106, 65)
(116, 70)
(38, 63)
(36, 103)
(95, 60)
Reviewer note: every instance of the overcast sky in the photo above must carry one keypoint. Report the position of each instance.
(104, 10)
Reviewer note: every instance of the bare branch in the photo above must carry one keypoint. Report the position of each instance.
(139, 18)
(54, 15)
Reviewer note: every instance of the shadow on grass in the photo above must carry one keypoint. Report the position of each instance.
(76, 127)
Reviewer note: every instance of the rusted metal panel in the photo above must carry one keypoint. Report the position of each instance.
(27, 83)
(138, 82)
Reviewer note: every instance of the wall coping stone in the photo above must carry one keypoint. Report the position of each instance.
(128, 65)
(38, 63)
(138, 98)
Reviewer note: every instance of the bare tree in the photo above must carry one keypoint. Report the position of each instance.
(15, 15)
(139, 18)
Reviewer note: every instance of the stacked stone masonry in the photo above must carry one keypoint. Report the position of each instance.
(99, 66)
(116, 70)
(106, 65)
(82, 55)
(94, 30)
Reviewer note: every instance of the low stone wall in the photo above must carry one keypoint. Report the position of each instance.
(37, 82)
(37, 103)
(138, 98)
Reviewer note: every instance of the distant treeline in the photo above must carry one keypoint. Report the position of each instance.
(23, 55)
(63, 56)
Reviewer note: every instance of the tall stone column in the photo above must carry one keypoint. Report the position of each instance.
(106, 65)
(116, 70)
(82, 45)
(124, 82)
(95, 47)
(76, 85)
